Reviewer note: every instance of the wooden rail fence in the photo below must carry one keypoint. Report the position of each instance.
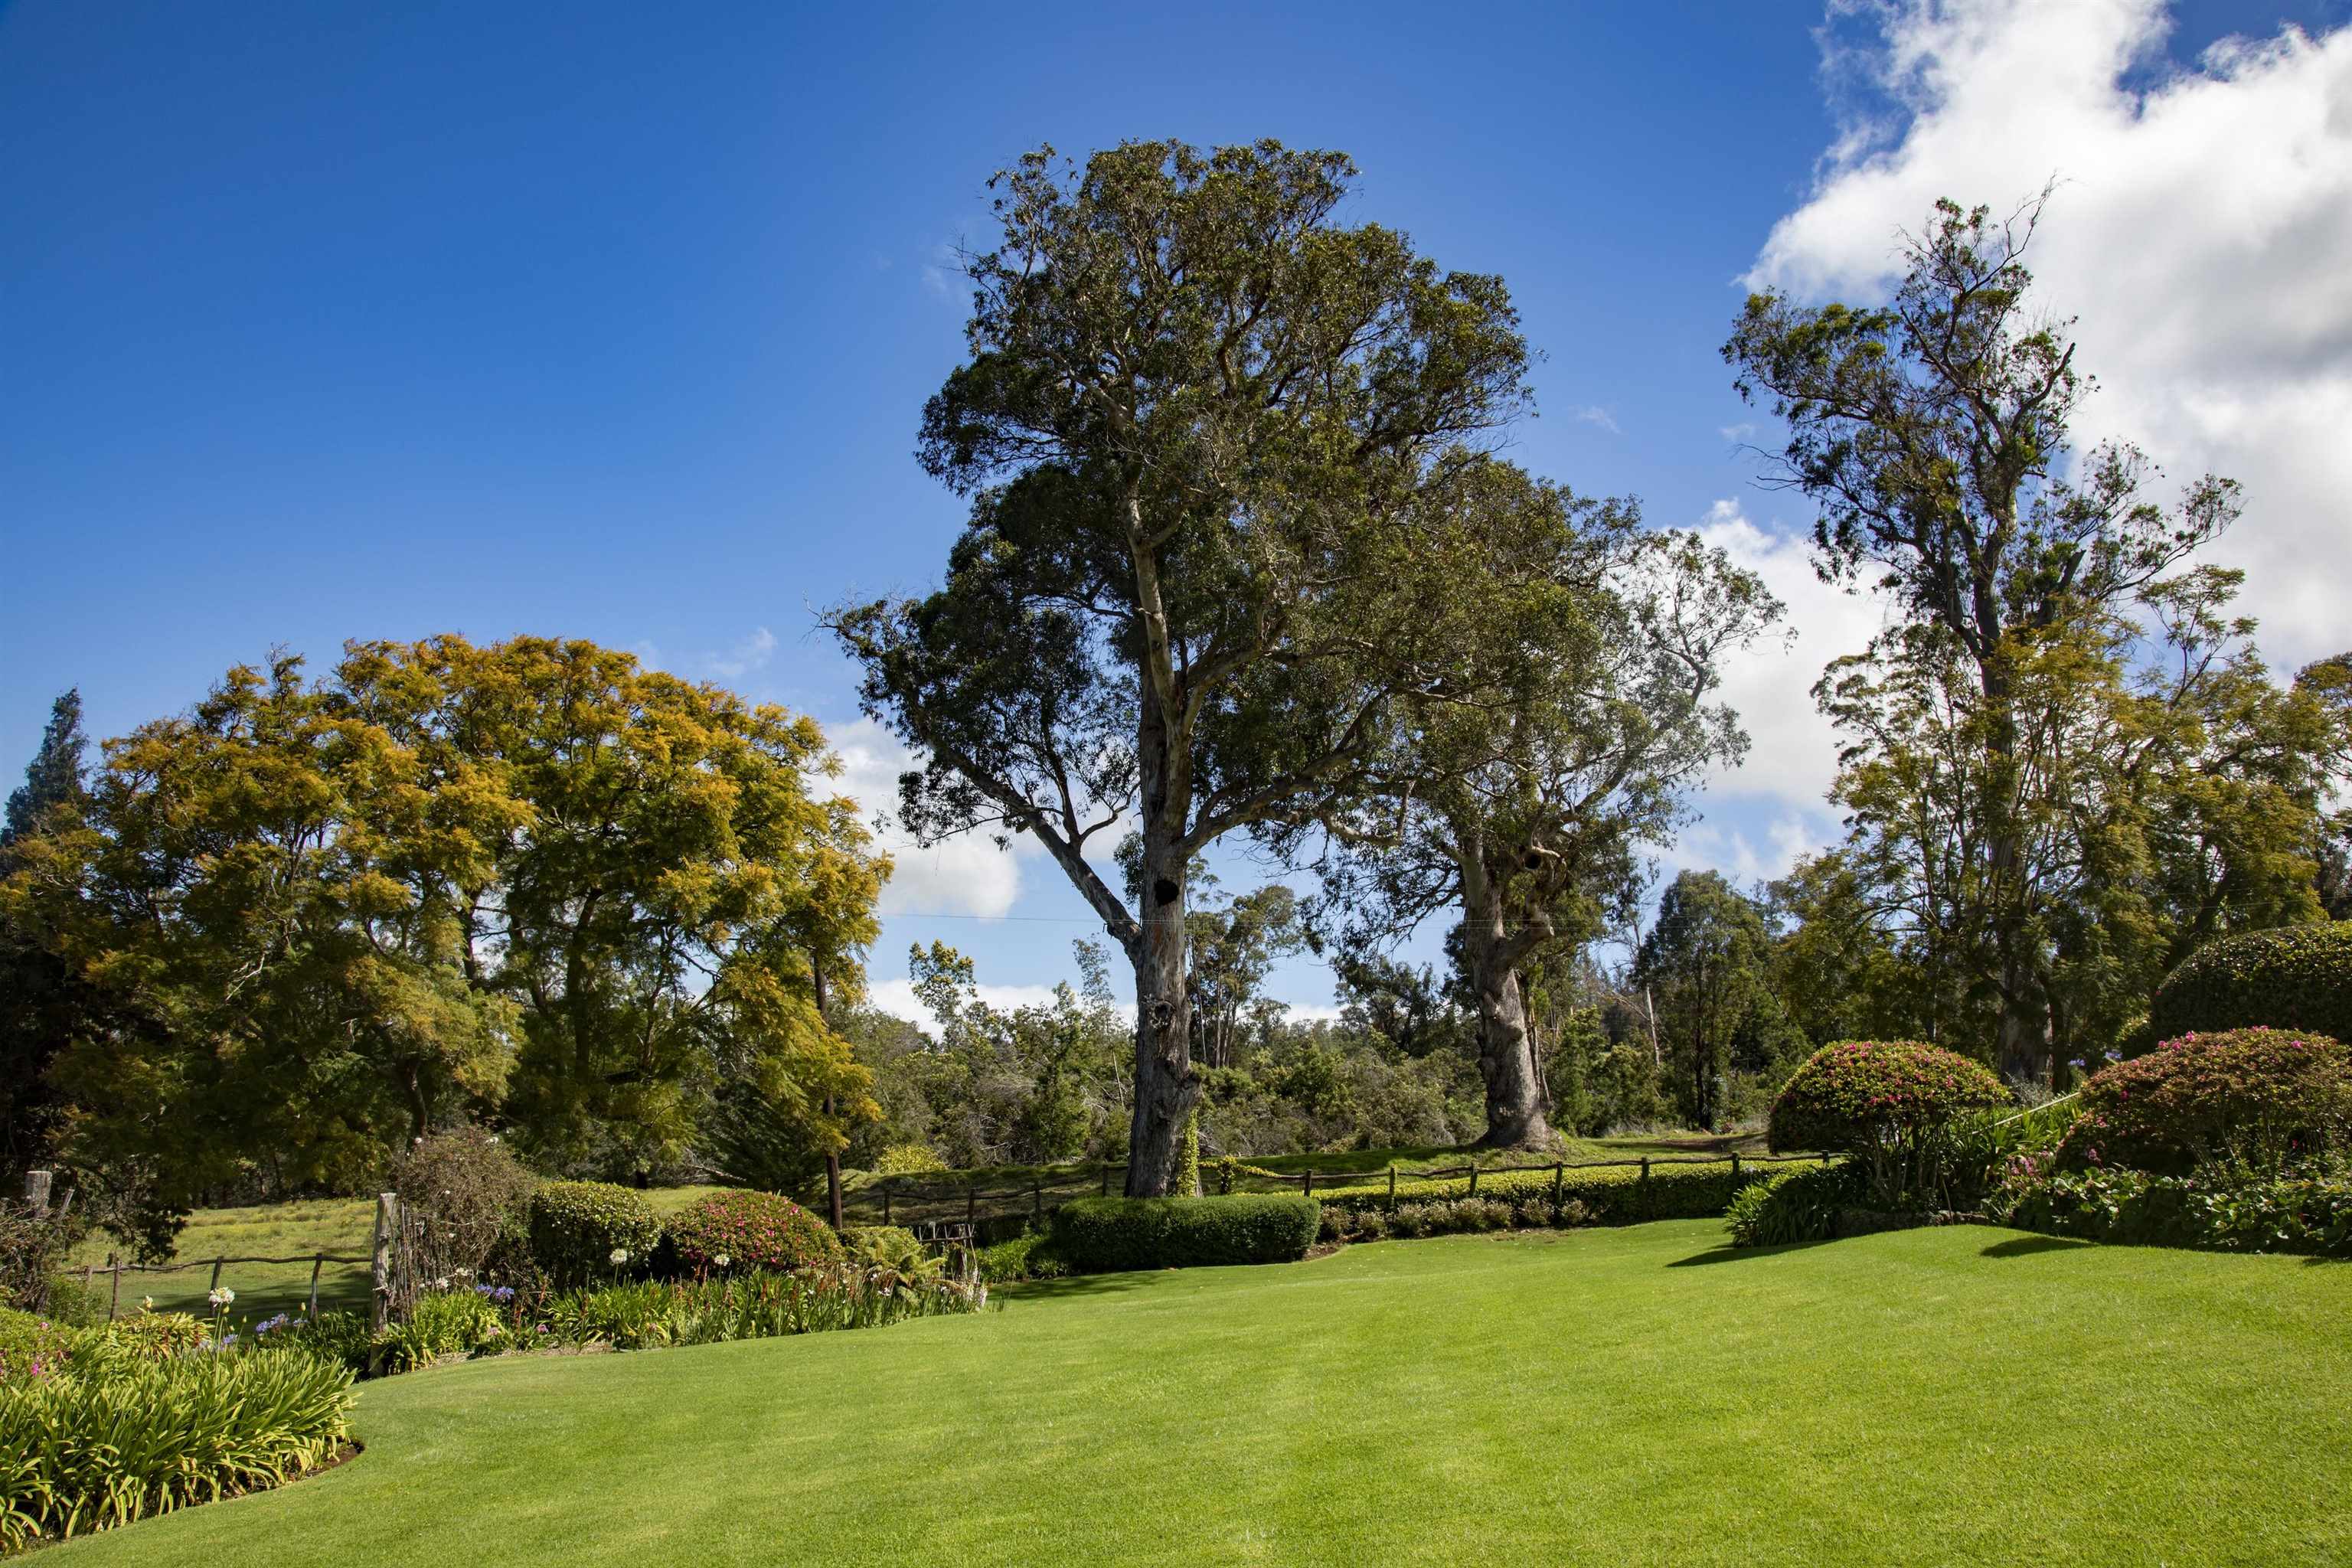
(912, 1197)
(90, 1271)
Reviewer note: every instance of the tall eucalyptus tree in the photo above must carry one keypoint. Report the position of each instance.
(1207, 429)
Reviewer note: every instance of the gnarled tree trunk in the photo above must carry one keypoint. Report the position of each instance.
(1519, 1106)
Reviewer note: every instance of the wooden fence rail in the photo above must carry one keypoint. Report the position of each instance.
(90, 1272)
(1032, 1194)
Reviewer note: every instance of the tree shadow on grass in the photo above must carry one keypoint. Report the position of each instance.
(2026, 1245)
(1729, 1253)
(1075, 1284)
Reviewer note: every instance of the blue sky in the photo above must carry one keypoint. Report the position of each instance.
(322, 321)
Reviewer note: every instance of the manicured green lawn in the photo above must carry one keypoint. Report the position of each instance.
(1960, 1396)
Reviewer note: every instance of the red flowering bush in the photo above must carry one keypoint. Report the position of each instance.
(2261, 1099)
(750, 1230)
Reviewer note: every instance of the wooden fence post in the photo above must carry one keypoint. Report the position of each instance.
(1037, 1199)
(971, 1204)
(1735, 1165)
(114, 1300)
(1559, 1176)
(886, 1199)
(386, 1206)
(1391, 1188)
(216, 1269)
(37, 1192)
(1649, 1198)
(1474, 1178)
(316, 1264)
(1306, 1182)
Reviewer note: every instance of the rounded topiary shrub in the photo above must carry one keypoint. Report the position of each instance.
(1859, 1093)
(577, 1228)
(752, 1230)
(1883, 1102)
(2298, 977)
(2261, 1099)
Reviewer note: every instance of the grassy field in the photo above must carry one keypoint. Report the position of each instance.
(337, 1226)
(1637, 1396)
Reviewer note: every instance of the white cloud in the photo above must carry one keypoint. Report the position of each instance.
(1593, 414)
(1792, 751)
(1713, 846)
(2200, 229)
(963, 876)
(747, 655)
(896, 998)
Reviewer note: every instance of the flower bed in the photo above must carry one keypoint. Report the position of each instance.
(107, 1435)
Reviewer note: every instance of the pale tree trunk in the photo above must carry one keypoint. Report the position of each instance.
(1517, 1106)
(2020, 1048)
(1166, 1086)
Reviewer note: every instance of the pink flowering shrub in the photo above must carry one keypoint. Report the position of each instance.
(1887, 1104)
(750, 1230)
(2263, 1099)
(1860, 1093)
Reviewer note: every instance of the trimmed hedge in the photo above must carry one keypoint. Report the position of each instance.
(752, 1230)
(2291, 1215)
(1101, 1236)
(2298, 977)
(2257, 1098)
(1611, 1195)
(576, 1228)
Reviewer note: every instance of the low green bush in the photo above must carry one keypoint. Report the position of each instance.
(2210, 1209)
(80, 1452)
(31, 1345)
(891, 1245)
(151, 1336)
(1030, 1256)
(577, 1228)
(2298, 977)
(2261, 1099)
(440, 1323)
(752, 1230)
(653, 1313)
(1792, 1206)
(1607, 1195)
(1106, 1234)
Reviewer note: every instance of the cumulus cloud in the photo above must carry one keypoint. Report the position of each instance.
(1717, 846)
(897, 996)
(2199, 229)
(1792, 749)
(747, 655)
(964, 876)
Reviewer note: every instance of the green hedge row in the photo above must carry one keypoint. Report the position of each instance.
(1612, 1195)
(1101, 1235)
